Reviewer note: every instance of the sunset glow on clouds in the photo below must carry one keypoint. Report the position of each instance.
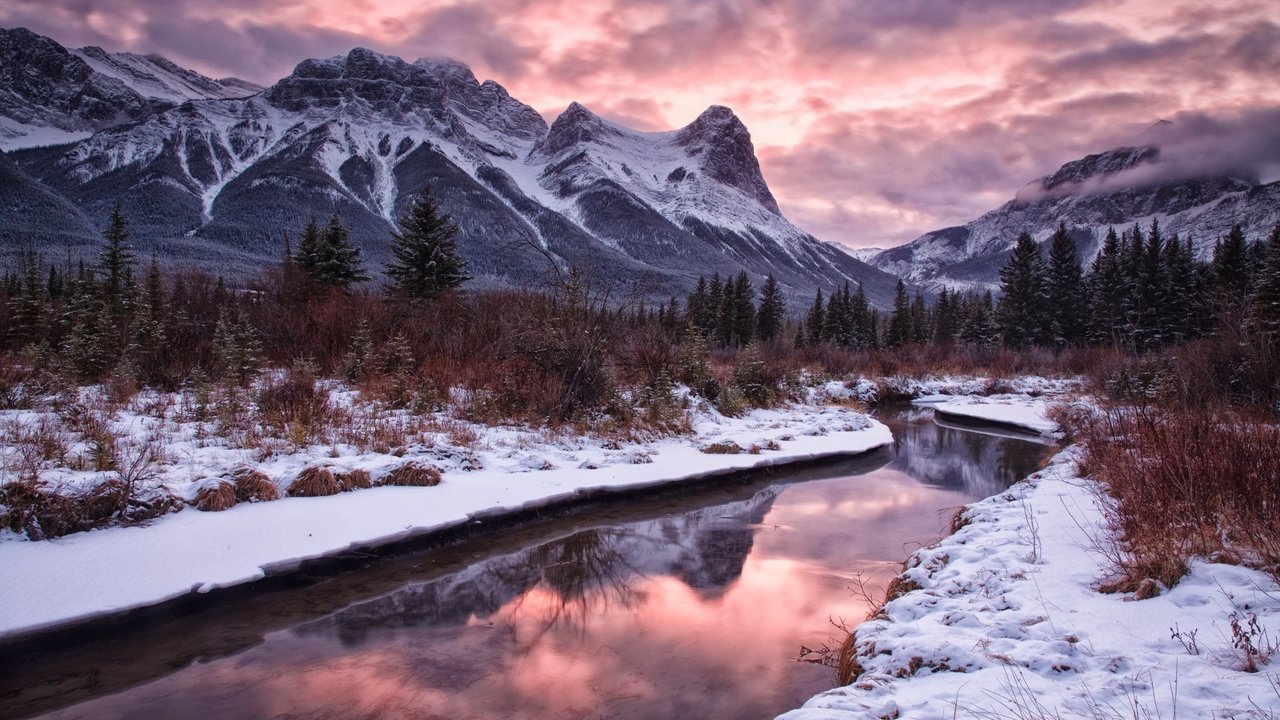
(874, 121)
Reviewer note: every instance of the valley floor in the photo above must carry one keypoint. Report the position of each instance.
(1002, 619)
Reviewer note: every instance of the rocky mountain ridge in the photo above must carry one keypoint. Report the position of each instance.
(361, 134)
(1117, 188)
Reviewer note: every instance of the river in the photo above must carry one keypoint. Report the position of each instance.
(681, 604)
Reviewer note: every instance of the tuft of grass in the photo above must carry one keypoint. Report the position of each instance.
(356, 479)
(726, 447)
(315, 481)
(215, 496)
(412, 475)
(253, 486)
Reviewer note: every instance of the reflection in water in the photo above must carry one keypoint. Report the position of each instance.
(692, 613)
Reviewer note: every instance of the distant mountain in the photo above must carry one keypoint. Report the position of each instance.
(1117, 188)
(219, 181)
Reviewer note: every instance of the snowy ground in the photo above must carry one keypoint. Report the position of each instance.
(1018, 411)
(1004, 622)
(487, 470)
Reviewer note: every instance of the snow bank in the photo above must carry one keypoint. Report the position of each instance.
(1006, 623)
(51, 583)
(1019, 411)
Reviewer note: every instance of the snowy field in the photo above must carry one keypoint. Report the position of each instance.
(1002, 620)
(486, 471)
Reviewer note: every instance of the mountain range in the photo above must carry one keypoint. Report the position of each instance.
(216, 173)
(1117, 188)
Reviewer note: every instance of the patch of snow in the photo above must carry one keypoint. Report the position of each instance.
(1007, 623)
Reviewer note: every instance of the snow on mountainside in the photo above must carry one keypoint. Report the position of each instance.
(1116, 188)
(51, 95)
(361, 134)
(152, 76)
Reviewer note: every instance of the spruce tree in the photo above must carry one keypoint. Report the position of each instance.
(899, 332)
(815, 321)
(1020, 315)
(1266, 300)
(769, 318)
(1066, 308)
(425, 251)
(327, 256)
(1108, 293)
(1230, 266)
(744, 310)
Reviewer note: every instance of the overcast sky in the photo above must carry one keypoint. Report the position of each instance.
(874, 121)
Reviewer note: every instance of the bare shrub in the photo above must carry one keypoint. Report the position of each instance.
(293, 407)
(45, 512)
(253, 486)
(412, 475)
(215, 496)
(315, 481)
(1185, 483)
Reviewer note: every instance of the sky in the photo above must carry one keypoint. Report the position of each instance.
(874, 120)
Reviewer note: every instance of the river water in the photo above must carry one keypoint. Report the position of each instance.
(681, 605)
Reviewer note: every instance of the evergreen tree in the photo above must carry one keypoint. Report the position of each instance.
(116, 261)
(899, 332)
(1108, 292)
(744, 310)
(979, 328)
(327, 256)
(945, 320)
(29, 318)
(815, 321)
(1231, 266)
(769, 319)
(919, 320)
(1020, 315)
(425, 251)
(1266, 299)
(1180, 294)
(1066, 307)
(696, 309)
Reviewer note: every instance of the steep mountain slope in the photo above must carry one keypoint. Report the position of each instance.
(360, 135)
(49, 94)
(1116, 188)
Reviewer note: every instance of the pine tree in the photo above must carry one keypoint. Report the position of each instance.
(744, 311)
(116, 261)
(899, 332)
(919, 320)
(815, 321)
(29, 318)
(1231, 266)
(425, 251)
(1066, 307)
(772, 307)
(1020, 315)
(1108, 293)
(327, 256)
(1266, 299)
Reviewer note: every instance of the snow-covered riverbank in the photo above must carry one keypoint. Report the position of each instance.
(1002, 620)
(80, 576)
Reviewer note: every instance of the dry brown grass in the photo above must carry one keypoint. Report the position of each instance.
(254, 486)
(726, 447)
(44, 512)
(412, 475)
(356, 479)
(1184, 483)
(215, 496)
(315, 481)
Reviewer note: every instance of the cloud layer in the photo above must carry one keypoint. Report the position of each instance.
(875, 120)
